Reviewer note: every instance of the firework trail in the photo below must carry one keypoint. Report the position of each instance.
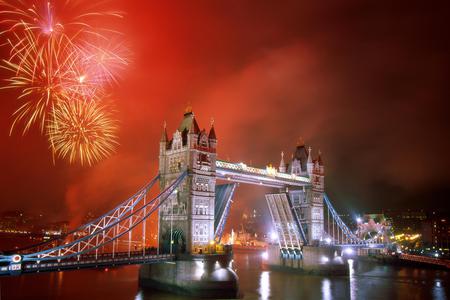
(58, 63)
(82, 131)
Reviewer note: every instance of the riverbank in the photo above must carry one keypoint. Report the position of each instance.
(399, 261)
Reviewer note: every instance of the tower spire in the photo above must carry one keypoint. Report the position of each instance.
(193, 128)
(282, 167)
(319, 158)
(309, 155)
(164, 137)
(212, 131)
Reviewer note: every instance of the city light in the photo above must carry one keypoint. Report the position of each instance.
(348, 251)
(328, 240)
(265, 255)
(273, 236)
(16, 258)
(358, 220)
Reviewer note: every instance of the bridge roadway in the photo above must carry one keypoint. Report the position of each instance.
(427, 260)
(86, 261)
(240, 172)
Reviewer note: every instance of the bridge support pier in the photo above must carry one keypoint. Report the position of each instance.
(196, 276)
(314, 260)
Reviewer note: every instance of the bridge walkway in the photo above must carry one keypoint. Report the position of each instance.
(86, 261)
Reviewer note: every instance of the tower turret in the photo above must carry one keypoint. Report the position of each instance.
(308, 200)
(309, 163)
(282, 167)
(163, 147)
(317, 176)
(186, 219)
(194, 131)
(212, 136)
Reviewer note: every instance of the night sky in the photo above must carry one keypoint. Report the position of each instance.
(365, 82)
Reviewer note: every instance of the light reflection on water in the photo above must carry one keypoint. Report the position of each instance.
(326, 289)
(264, 285)
(352, 279)
(438, 291)
(366, 281)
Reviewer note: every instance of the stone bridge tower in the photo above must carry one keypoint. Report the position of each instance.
(308, 202)
(187, 216)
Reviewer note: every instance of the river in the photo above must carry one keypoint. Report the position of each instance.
(366, 281)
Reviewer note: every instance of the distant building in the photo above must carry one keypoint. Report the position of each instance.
(436, 231)
(406, 221)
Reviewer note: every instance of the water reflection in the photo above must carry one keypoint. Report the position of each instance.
(326, 289)
(352, 279)
(264, 285)
(439, 291)
(60, 283)
(139, 296)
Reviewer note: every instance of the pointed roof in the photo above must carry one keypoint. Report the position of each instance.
(282, 163)
(194, 126)
(309, 155)
(319, 159)
(164, 136)
(301, 154)
(212, 132)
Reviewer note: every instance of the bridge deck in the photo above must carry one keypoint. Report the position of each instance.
(88, 261)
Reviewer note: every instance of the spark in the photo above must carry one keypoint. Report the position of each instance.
(104, 63)
(83, 132)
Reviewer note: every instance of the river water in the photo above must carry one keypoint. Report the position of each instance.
(366, 281)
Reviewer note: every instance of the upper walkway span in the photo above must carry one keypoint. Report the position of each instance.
(240, 172)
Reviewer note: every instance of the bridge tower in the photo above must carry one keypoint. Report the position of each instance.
(187, 217)
(308, 201)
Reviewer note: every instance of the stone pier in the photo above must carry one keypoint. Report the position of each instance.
(314, 260)
(206, 276)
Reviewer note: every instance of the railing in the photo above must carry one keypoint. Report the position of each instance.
(90, 261)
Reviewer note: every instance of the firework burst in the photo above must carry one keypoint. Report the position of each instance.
(41, 76)
(83, 132)
(61, 65)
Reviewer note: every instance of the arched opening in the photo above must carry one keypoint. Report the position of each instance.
(178, 244)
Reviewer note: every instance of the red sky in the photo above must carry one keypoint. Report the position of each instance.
(363, 81)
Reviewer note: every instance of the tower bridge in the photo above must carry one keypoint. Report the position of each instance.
(193, 207)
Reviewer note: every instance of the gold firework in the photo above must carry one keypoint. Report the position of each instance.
(83, 132)
(51, 56)
(42, 75)
(61, 65)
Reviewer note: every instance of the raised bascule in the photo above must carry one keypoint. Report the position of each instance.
(193, 202)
